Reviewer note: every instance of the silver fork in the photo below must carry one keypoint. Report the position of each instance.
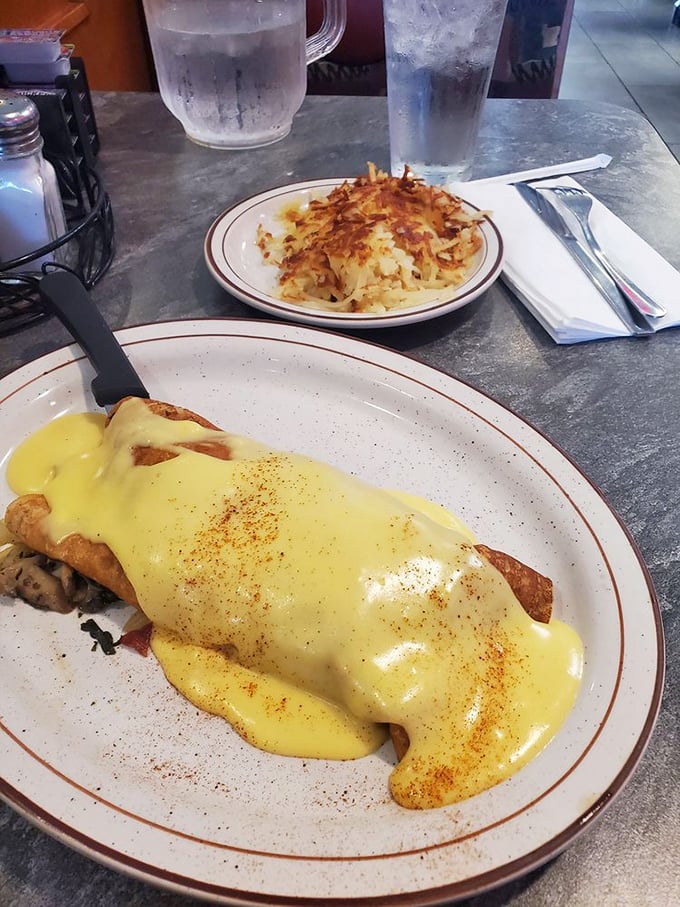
(580, 204)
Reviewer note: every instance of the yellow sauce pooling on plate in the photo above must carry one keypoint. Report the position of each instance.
(310, 609)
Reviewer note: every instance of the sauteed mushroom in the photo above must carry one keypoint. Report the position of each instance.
(48, 584)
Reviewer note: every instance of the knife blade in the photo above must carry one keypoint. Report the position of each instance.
(115, 377)
(636, 323)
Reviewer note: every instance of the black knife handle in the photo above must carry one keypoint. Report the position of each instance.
(69, 300)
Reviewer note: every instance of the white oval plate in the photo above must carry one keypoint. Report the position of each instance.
(102, 753)
(236, 263)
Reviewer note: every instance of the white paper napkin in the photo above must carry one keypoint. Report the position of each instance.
(540, 271)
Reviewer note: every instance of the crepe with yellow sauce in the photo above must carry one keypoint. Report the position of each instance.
(309, 608)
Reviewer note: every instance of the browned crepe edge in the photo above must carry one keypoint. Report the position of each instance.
(532, 590)
(24, 516)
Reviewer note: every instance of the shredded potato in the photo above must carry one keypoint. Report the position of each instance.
(376, 244)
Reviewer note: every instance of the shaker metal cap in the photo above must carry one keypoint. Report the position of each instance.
(19, 126)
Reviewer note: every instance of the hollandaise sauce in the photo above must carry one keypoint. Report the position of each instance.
(309, 608)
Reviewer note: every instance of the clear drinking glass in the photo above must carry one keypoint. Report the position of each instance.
(440, 56)
(233, 72)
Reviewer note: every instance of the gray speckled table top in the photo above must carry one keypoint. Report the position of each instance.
(613, 406)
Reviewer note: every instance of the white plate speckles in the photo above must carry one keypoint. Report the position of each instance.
(236, 263)
(102, 753)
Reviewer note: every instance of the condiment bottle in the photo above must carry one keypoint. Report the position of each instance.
(31, 210)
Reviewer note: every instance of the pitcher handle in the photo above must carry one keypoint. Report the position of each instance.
(332, 29)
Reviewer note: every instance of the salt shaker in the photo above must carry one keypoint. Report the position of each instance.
(31, 210)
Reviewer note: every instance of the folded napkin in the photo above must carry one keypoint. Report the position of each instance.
(541, 272)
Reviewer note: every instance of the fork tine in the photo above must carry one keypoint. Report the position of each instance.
(571, 190)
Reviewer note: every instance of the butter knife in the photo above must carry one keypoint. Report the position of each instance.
(636, 323)
(115, 377)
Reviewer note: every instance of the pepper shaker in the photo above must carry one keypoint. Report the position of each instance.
(31, 210)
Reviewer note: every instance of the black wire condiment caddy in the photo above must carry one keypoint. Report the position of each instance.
(86, 249)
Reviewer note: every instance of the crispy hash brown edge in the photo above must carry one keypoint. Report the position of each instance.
(375, 244)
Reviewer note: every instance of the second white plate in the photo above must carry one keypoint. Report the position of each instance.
(236, 263)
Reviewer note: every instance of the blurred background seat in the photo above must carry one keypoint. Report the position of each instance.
(110, 36)
(529, 62)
